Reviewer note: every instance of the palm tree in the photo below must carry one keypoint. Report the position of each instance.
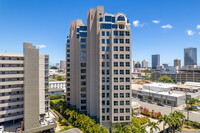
(121, 129)
(138, 129)
(153, 126)
(166, 121)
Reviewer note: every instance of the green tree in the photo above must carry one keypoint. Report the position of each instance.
(153, 126)
(166, 121)
(53, 67)
(60, 78)
(122, 129)
(165, 79)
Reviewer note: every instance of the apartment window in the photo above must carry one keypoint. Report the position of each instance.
(115, 95)
(121, 118)
(108, 33)
(127, 33)
(127, 71)
(121, 87)
(115, 33)
(105, 26)
(115, 118)
(127, 117)
(103, 48)
(108, 64)
(103, 118)
(121, 48)
(103, 110)
(121, 40)
(127, 41)
(127, 64)
(68, 50)
(103, 72)
(108, 103)
(121, 110)
(103, 41)
(115, 110)
(115, 48)
(107, 49)
(83, 52)
(103, 87)
(121, 64)
(108, 72)
(115, 103)
(103, 102)
(83, 58)
(115, 64)
(83, 28)
(115, 72)
(108, 87)
(107, 56)
(83, 83)
(83, 70)
(127, 110)
(121, 102)
(128, 79)
(121, 95)
(83, 46)
(121, 33)
(83, 107)
(108, 95)
(115, 79)
(115, 40)
(68, 55)
(127, 48)
(115, 87)
(77, 35)
(121, 79)
(107, 79)
(108, 110)
(127, 87)
(83, 76)
(103, 64)
(103, 33)
(127, 94)
(83, 101)
(103, 95)
(127, 102)
(83, 40)
(103, 79)
(121, 56)
(83, 64)
(115, 56)
(108, 41)
(113, 19)
(108, 117)
(108, 18)
(127, 56)
(83, 34)
(103, 56)
(121, 71)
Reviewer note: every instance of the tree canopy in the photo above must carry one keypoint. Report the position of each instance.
(165, 79)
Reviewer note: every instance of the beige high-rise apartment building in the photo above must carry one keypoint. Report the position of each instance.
(63, 65)
(145, 64)
(98, 67)
(24, 87)
(177, 63)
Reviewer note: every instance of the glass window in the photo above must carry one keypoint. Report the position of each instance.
(121, 33)
(107, 56)
(121, 18)
(83, 39)
(68, 41)
(103, 64)
(83, 52)
(103, 41)
(103, 48)
(103, 87)
(127, 64)
(121, 40)
(115, 110)
(121, 71)
(83, 64)
(115, 64)
(107, 49)
(103, 110)
(108, 117)
(115, 103)
(83, 46)
(103, 118)
(77, 30)
(127, 71)
(83, 28)
(115, 95)
(115, 56)
(108, 41)
(83, 70)
(121, 79)
(115, 40)
(115, 48)
(108, 33)
(83, 58)
(103, 56)
(121, 48)
(121, 56)
(115, 33)
(127, 102)
(127, 33)
(68, 46)
(115, 118)
(121, 26)
(114, 26)
(108, 64)
(121, 64)
(121, 102)
(127, 87)
(121, 87)
(127, 56)
(127, 79)
(77, 35)
(108, 18)
(115, 87)
(121, 111)
(127, 48)
(101, 19)
(127, 110)
(83, 34)
(127, 117)
(103, 33)
(127, 94)
(115, 79)
(108, 88)
(115, 72)
(105, 26)
(121, 95)
(121, 118)
(128, 41)
(113, 19)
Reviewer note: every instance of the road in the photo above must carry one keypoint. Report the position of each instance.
(193, 116)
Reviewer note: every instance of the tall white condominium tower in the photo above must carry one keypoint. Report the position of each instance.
(24, 88)
(98, 66)
(145, 64)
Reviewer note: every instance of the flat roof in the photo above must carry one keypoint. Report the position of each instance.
(187, 87)
(56, 90)
(160, 85)
(11, 55)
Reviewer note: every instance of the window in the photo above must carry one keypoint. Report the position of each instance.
(115, 79)
(103, 64)
(101, 19)
(121, 79)
(127, 48)
(115, 103)
(83, 28)
(103, 48)
(127, 33)
(103, 110)
(115, 64)
(127, 71)
(83, 40)
(108, 41)
(121, 110)
(83, 58)
(68, 46)
(77, 30)
(115, 110)
(103, 72)
(108, 117)
(127, 117)
(121, 56)
(103, 118)
(121, 102)
(103, 33)
(108, 103)
(121, 87)
(114, 26)
(83, 46)
(107, 49)
(103, 79)
(103, 87)
(103, 102)
(115, 56)
(108, 64)
(127, 94)
(121, 48)
(127, 56)
(121, 40)
(121, 95)
(115, 40)
(68, 41)
(108, 110)
(115, 33)
(83, 107)
(113, 19)
(127, 64)
(121, 64)
(127, 110)
(121, 33)
(121, 71)
(115, 118)
(83, 52)
(83, 83)
(127, 102)
(121, 26)
(115, 72)
(103, 41)
(121, 118)
(108, 33)
(115, 87)
(68, 50)
(83, 34)
(103, 95)
(108, 72)
(121, 18)
(108, 18)
(115, 95)
(105, 26)
(127, 41)
(103, 56)
(108, 87)
(83, 101)
(107, 79)
(115, 48)
(127, 87)
(83, 70)
(107, 56)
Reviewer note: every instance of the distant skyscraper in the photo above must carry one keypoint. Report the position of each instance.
(177, 63)
(137, 65)
(190, 56)
(155, 61)
(57, 65)
(63, 65)
(144, 64)
(165, 65)
(133, 65)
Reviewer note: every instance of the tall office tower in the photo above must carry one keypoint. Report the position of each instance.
(177, 63)
(155, 61)
(137, 65)
(24, 87)
(190, 56)
(145, 64)
(63, 65)
(98, 64)
(57, 65)
(133, 66)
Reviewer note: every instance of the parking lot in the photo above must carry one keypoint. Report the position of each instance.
(193, 116)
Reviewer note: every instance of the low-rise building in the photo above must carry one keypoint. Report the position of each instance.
(58, 84)
(56, 91)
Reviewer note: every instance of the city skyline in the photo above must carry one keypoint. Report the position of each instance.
(163, 25)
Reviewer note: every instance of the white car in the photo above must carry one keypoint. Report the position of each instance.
(50, 122)
(18, 130)
(1, 129)
(42, 124)
(47, 118)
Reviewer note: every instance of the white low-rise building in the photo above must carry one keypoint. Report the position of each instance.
(58, 84)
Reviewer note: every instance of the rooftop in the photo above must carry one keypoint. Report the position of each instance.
(11, 55)
(55, 90)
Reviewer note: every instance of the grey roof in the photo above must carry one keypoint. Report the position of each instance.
(73, 130)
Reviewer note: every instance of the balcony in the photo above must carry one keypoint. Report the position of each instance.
(13, 103)
(10, 90)
(11, 110)
(4, 76)
(11, 118)
(11, 62)
(11, 83)
(11, 68)
(11, 96)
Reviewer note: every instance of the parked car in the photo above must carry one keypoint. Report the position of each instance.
(50, 122)
(47, 118)
(1, 129)
(18, 130)
(143, 100)
(149, 101)
(160, 104)
(42, 124)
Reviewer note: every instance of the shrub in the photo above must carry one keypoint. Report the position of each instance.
(57, 97)
(194, 109)
(63, 122)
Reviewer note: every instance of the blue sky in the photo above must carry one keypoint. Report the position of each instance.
(46, 23)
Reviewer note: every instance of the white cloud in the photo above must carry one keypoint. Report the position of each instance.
(137, 23)
(198, 26)
(190, 32)
(167, 26)
(155, 21)
(41, 46)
